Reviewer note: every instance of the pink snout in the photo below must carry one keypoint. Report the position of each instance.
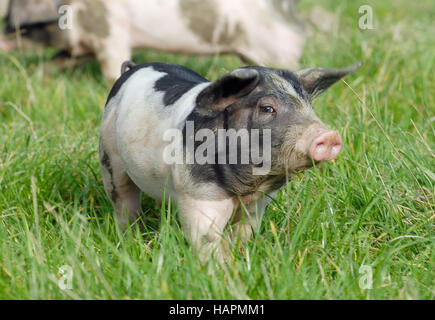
(326, 146)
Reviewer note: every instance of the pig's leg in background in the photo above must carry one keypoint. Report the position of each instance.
(122, 191)
(115, 50)
(204, 222)
(248, 218)
(64, 60)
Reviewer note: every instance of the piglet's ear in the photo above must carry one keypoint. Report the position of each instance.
(317, 80)
(224, 91)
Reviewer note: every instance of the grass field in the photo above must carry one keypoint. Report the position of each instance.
(372, 209)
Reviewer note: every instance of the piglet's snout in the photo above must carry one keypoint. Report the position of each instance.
(326, 146)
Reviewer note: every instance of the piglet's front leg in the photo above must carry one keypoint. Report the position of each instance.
(204, 222)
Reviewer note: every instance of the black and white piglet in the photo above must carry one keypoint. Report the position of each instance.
(151, 100)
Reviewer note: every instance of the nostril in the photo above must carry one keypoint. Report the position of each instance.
(326, 146)
(321, 147)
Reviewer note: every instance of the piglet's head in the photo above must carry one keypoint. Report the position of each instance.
(278, 101)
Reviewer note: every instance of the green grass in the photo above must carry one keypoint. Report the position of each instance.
(373, 206)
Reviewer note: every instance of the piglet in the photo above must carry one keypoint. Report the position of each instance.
(220, 149)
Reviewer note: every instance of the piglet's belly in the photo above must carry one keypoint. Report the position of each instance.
(149, 172)
(152, 186)
(141, 146)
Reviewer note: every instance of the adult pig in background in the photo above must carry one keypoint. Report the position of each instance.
(267, 32)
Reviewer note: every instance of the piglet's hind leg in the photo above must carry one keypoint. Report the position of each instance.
(122, 191)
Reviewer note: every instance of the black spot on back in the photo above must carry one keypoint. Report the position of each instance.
(178, 81)
(175, 83)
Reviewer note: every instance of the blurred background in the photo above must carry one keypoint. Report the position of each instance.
(265, 32)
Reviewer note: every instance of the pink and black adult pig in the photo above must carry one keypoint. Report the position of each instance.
(266, 32)
(150, 100)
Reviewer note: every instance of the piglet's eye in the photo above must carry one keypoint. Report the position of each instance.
(267, 109)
